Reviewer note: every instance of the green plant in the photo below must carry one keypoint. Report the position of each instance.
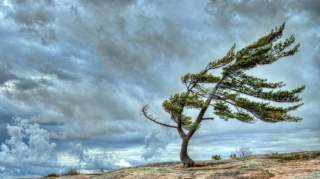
(70, 171)
(52, 175)
(233, 156)
(296, 156)
(216, 157)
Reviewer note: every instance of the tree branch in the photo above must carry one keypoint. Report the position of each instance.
(208, 118)
(181, 132)
(235, 105)
(144, 111)
(194, 83)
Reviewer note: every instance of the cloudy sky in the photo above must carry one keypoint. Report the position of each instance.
(75, 75)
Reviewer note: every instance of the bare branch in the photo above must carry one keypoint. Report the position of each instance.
(144, 111)
(208, 118)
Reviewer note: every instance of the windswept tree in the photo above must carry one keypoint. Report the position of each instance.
(228, 94)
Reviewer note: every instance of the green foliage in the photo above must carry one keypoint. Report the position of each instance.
(226, 92)
(175, 104)
(274, 153)
(216, 157)
(224, 60)
(295, 156)
(253, 86)
(233, 156)
(222, 110)
(199, 78)
(52, 175)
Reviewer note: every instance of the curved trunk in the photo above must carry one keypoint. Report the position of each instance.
(185, 159)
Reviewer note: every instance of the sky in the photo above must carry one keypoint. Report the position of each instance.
(75, 75)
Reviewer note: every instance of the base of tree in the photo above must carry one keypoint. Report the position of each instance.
(188, 163)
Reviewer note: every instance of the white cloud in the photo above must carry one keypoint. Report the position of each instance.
(96, 159)
(155, 144)
(28, 144)
(123, 163)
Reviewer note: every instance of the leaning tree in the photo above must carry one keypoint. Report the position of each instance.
(228, 94)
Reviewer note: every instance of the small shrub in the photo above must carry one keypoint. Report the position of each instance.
(216, 157)
(244, 152)
(273, 155)
(303, 156)
(233, 156)
(296, 156)
(52, 175)
(71, 171)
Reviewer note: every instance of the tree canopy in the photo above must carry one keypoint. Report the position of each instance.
(226, 93)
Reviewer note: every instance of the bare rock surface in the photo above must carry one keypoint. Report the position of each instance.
(304, 165)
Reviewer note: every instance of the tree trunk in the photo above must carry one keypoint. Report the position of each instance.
(185, 159)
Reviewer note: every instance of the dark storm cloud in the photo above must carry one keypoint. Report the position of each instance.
(228, 10)
(61, 74)
(5, 76)
(26, 84)
(122, 141)
(239, 16)
(312, 8)
(82, 70)
(39, 12)
(45, 82)
(31, 18)
(130, 54)
(112, 3)
(19, 83)
(34, 19)
(130, 41)
(5, 115)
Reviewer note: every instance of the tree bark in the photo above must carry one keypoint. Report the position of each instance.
(185, 159)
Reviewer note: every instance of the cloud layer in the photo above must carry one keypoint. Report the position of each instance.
(75, 74)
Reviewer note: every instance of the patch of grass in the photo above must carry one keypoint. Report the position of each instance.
(270, 174)
(274, 153)
(198, 168)
(296, 156)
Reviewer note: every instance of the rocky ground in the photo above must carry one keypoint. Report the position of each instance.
(275, 166)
